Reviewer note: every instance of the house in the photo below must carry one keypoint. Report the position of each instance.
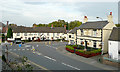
(72, 36)
(114, 44)
(95, 34)
(42, 33)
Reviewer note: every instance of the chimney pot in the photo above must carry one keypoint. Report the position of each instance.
(85, 16)
(52, 26)
(110, 13)
(7, 23)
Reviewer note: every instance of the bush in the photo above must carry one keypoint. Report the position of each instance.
(70, 47)
(3, 58)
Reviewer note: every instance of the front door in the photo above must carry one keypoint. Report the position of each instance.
(94, 44)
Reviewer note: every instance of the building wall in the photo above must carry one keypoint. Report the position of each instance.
(48, 36)
(88, 35)
(106, 34)
(72, 40)
(113, 49)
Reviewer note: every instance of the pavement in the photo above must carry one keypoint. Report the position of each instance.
(53, 56)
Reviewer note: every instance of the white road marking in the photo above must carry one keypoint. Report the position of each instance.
(14, 49)
(49, 58)
(51, 46)
(18, 49)
(23, 49)
(70, 66)
(27, 49)
(38, 53)
(10, 49)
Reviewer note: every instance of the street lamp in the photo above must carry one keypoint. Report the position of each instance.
(99, 18)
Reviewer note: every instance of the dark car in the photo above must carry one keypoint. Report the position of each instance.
(18, 42)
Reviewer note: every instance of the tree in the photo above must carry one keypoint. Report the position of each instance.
(74, 24)
(9, 33)
(118, 25)
(61, 23)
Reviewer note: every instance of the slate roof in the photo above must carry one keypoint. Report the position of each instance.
(115, 35)
(73, 30)
(1, 24)
(22, 29)
(94, 25)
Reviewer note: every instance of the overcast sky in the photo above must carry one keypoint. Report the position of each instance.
(27, 12)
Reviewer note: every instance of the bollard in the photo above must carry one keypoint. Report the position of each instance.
(11, 43)
(49, 42)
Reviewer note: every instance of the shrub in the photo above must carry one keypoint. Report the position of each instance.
(70, 47)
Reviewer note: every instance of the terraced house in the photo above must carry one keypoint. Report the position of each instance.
(72, 36)
(95, 34)
(42, 33)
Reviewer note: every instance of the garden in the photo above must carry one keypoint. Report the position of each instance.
(80, 50)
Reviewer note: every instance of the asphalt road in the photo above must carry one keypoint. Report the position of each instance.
(46, 56)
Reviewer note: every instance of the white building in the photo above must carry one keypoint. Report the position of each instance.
(43, 33)
(72, 36)
(114, 44)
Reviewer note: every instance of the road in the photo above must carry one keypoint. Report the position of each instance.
(47, 56)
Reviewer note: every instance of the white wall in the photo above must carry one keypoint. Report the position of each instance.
(113, 48)
(48, 36)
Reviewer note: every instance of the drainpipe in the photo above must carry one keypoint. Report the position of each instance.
(101, 41)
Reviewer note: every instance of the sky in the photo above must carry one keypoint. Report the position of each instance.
(28, 12)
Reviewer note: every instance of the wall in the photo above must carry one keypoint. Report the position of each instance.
(113, 49)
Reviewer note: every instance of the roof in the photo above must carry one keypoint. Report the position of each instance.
(73, 30)
(94, 25)
(115, 35)
(22, 29)
(1, 24)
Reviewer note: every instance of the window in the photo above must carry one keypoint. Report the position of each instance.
(94, 44)
(82, 33)
(69, 36)
(31, 34)
(119, 52)
(25, 34)
(35, 34)
(94, 32)
(47, 34)
(57, 34)
(25, 38)
(18, 34)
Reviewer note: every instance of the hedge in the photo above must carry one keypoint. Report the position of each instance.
(69, 47)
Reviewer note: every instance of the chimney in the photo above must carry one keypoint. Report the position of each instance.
(34, 25)
(52, 26)
(65, 27)
(7, 23)
(110, 18)
(85, 19)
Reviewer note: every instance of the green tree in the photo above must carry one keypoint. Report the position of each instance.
(9, 33)
(74, 24)
(118, 25)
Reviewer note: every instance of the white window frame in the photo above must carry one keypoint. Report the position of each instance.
(18, 34)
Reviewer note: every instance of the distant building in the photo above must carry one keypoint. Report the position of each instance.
(96, 33)
(43, 33)
(114, 44)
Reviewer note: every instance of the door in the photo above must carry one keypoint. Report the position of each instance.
(94, 44)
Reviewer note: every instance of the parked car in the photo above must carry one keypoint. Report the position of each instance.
(18, 42)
